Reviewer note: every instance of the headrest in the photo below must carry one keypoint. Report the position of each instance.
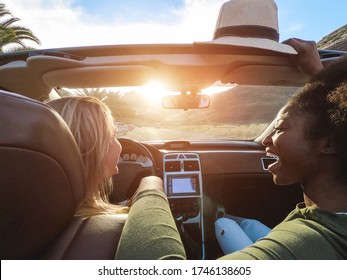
(41, 176)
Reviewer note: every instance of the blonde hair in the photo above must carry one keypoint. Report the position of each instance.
(91, 123)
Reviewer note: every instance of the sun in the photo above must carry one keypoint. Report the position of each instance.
(154, 91)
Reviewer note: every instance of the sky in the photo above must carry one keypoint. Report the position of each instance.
(68, 23)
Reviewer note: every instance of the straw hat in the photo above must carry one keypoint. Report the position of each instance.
(249, 23)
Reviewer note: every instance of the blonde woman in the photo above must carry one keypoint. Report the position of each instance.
(92, 125)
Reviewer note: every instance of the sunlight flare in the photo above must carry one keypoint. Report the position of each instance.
(154, 91)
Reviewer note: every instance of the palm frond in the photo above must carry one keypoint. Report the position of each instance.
(4, 11)
(13, 34)
(9, 21)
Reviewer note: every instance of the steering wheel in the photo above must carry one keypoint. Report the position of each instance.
(135, 163)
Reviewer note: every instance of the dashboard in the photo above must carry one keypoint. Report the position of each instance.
(183, 187)
(200, 179)
(134, 157)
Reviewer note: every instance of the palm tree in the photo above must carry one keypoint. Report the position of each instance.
(99, 93)
(13, 34)
(121, 108)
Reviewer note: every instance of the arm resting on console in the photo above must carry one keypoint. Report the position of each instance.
(150, 231)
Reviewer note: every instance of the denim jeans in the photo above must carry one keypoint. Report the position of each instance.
(235, 233)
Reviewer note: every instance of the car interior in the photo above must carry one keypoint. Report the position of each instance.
(207, 168)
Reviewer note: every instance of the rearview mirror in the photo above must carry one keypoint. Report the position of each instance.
(185, 102)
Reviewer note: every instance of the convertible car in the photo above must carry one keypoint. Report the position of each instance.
(192, 114)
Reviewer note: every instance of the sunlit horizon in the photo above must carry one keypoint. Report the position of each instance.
(155, 90)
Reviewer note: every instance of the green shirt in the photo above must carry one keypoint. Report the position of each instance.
(307, 233)
(150, 231)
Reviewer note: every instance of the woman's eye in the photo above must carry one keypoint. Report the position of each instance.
(278, 129)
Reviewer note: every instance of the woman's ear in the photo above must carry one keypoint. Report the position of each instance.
(328, 147)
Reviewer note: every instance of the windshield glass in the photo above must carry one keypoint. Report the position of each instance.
(238, 113)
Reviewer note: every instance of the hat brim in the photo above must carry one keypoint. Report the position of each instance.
(259, 43)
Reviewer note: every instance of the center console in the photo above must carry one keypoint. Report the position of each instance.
(183, 187)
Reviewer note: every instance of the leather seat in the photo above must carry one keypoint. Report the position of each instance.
(41, 185)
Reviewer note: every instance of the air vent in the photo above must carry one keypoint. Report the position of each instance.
(172, 166)
(191, 165)
(171, 156)
(191, 156)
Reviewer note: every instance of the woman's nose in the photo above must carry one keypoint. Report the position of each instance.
(268, 139)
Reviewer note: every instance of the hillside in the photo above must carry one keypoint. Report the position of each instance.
(336, 40)
(246, 104)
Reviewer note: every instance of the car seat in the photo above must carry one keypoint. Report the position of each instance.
(41, 185)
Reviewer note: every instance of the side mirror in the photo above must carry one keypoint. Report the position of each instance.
(185, 102)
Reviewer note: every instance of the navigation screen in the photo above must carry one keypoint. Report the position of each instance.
(184, 185)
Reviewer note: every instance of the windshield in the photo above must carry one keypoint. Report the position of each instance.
(237, 113)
